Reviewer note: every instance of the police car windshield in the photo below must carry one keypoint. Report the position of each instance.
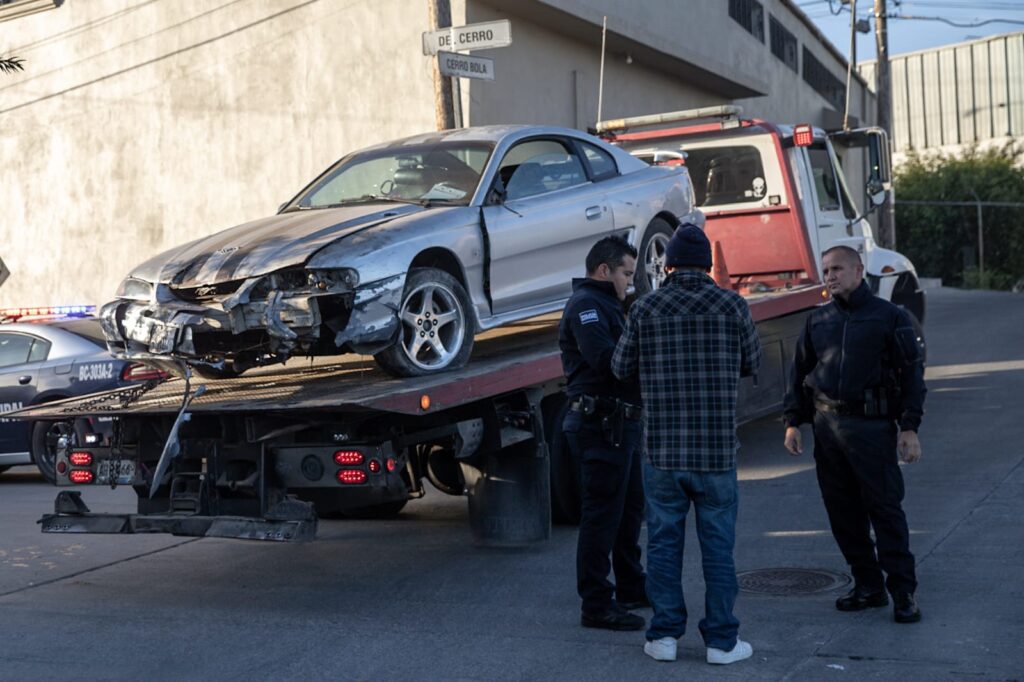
(444, 172)
(89, 330)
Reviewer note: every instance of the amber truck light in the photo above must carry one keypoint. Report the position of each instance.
(348, 457)
(80, 476)
(80, 459)
(351, 476)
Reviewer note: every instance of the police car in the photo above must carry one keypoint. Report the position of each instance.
(48, 354)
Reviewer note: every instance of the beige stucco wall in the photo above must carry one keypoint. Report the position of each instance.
(159, 122)
(141, 125)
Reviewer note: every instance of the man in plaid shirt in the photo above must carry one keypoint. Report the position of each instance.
(690, 342)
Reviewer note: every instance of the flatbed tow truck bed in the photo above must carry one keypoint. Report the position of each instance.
(261, 456)
(505, 359)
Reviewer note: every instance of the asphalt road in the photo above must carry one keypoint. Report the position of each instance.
(412, 599)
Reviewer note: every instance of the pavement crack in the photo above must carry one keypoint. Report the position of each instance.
(971, 513)
(95, 568)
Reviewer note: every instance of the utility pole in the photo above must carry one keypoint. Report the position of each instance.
(883, 92)
(444, 103)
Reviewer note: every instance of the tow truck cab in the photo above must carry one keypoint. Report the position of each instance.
(764, 187)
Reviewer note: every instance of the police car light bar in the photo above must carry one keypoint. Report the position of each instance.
(12, 314)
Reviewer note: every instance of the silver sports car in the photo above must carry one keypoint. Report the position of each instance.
(404, 251)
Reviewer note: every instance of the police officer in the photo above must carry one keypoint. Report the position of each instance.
(603, 429)
(858, 375)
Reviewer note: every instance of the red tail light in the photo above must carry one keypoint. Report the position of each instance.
(348, 457)
(803, 135)
(348, 476)
(80, 476)
(392, 464)
(374, 466)
(80, 459)
(139, 372)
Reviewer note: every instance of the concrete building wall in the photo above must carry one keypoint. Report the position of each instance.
(139, 125)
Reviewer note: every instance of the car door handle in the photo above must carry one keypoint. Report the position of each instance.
(25, 380)
(593, 212)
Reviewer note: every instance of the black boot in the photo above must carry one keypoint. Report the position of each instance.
(904, 608)
(616, 618)
(860, 598)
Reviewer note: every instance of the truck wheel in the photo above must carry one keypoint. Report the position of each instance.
(565, 471)
(44, 446)
(387, 510)
(650, 270)
(436, 329)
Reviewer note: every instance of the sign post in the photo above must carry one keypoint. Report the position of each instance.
(447, 42)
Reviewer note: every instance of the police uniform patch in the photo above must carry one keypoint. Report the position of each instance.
(588, 316)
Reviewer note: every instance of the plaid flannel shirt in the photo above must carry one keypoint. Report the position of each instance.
(689, 342)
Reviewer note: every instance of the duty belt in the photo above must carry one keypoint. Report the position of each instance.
(599, 406)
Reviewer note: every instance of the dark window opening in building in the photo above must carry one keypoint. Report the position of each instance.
(750, 15)
(823, 82)
(783, 43)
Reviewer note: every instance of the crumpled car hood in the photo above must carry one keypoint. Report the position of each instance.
(266, 245)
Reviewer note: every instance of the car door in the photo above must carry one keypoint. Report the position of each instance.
(540, 234)
(20, 356)
(832, 209)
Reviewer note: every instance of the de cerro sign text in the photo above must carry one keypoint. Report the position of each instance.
(482, 36)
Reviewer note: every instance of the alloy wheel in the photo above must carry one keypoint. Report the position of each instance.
(433, 326)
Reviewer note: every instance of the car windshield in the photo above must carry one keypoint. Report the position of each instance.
(88, 329)
(446, 172)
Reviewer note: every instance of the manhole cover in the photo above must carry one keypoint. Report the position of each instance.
(791, 581)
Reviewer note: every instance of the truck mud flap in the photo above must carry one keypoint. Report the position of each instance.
(510, 496)
(238, 527)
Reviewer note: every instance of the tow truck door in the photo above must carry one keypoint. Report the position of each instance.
(830, 205)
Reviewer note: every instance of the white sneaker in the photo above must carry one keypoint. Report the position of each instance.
(663, 649)
(739, 652)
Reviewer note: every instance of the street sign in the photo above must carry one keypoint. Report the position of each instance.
(482, 36)
(464, 66)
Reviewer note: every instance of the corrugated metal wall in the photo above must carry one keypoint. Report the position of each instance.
(959, 94)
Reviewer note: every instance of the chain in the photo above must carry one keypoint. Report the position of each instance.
(106, 402)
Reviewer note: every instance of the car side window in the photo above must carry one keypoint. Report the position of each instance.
(39, 351)
(14, 349)
(539, 166)
(602, 165)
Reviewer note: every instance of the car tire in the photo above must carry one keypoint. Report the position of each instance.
(415, 353)
(651, 256)
(45, 457)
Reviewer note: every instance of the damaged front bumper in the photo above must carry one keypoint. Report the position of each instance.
(363, 320)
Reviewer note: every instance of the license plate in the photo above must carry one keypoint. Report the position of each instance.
(124, 468)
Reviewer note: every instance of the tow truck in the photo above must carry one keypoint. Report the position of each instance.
(265, 455)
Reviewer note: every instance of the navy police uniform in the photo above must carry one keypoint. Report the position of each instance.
(604, 431)
(858, 374)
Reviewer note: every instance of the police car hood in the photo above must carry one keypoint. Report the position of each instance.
(267, 245)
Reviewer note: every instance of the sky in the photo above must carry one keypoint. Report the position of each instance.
(908, 35)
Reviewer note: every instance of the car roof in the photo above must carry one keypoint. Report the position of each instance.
(68, 336)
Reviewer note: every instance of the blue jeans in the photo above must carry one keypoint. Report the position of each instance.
(715, 499)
